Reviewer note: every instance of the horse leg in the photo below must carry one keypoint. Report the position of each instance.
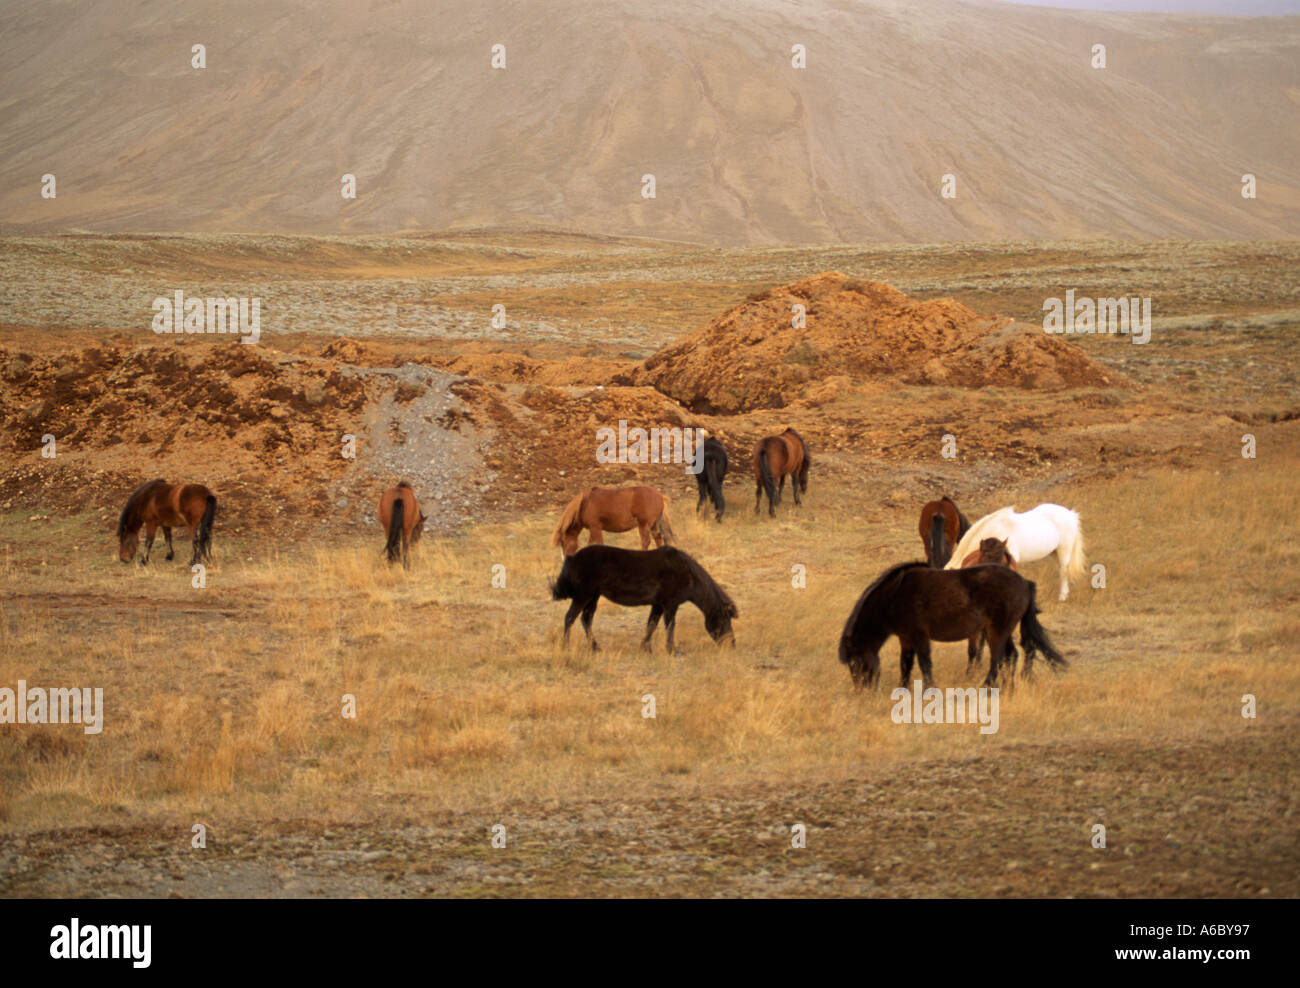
(794, 489)
(406, 551)
(923, 657)
(704, 491)
(570, 617)
(670, 625)
(595, 536)
(655, 613)
(167, 535)
(997, 651)
(905, 658)
(149, 530)
(758, 495)
(588, 613)
(973, 645)
(646, 532)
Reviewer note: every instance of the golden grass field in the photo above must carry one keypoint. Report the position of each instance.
(224, 704)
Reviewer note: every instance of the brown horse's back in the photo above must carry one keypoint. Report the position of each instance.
(614, 509)
(402, 521)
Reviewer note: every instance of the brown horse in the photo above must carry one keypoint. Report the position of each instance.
(778, 457)
(942, 526)
(160, 504)
(921, 604)
(992, 551)
(402, 520)
(614, 509)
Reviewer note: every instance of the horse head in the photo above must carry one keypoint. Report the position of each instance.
(127, 546)
(993, 550)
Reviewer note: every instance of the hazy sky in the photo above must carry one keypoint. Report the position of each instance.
(1250, 7)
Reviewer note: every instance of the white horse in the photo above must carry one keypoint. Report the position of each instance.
(1031, 535)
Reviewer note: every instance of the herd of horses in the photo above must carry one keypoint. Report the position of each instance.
(967, 588)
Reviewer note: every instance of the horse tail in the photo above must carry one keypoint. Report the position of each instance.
(663, 526)
(132, 512)
(395, 525)
(1077, 564)
(569, 518)
(1033, 636)
(204, 541)
(939, 554)
(765, 471)
(565, 587)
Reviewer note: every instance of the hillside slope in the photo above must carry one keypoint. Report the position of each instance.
(744, 148)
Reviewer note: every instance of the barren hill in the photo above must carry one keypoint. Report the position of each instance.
(754, 356)
(744, 147)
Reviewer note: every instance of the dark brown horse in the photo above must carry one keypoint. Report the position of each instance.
(778, 457)
(614, 509)
(942, 526)
(994, 552)
(921, 604)
(402, 521)
(663, 579)
(160, 504)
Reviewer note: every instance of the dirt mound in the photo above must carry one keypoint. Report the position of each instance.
(753, 356)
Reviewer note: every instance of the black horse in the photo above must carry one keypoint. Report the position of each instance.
(919, 604)
(711, 476)
(662, 578)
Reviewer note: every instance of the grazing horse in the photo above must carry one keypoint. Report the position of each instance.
(159, 503)
(992, 551)
(778, 457)
(919, 604)
(942, 526)
(614, 509)
(1030, 536)
(662, 578)
(710, 477)
(402, 521)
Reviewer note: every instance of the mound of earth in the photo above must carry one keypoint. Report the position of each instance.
(754, 357)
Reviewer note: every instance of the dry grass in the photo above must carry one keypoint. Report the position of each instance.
(227, 701)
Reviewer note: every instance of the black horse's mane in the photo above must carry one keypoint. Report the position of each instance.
(716, 599)
(884, 581)
(132, 507)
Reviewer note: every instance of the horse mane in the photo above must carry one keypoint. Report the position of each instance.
(884, 582)
(806, 455)
(716, 598)
(569, 516)
(131, 511)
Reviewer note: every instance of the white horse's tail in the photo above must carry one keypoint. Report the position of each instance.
(1077, 563)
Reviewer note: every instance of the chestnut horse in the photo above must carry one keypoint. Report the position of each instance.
(614, 509)
(778, 457)
(160, 504)
(991, 551)
(402, 520)
(942, 526)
